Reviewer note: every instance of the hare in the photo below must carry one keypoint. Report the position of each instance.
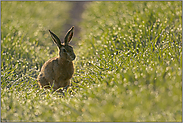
(58, 71)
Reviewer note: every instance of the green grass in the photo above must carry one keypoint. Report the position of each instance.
(128, 65)
(25, 40)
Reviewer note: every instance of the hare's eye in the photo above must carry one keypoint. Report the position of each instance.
(64, 50)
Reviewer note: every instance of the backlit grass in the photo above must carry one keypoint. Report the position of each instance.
(128, 65)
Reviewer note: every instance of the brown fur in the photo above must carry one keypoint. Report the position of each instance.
(58, 71)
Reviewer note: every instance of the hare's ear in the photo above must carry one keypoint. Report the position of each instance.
(55, 39)
(69, 35)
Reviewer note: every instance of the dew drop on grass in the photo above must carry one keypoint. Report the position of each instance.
(175, 98)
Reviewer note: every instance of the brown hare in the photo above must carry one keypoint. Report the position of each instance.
(58, 71)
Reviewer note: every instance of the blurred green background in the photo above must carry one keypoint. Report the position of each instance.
(128, 63)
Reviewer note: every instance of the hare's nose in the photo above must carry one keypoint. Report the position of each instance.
(74, 56)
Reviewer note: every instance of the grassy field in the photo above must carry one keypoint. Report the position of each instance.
(128, 65)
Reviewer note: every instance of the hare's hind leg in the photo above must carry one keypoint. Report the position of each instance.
(43, 83)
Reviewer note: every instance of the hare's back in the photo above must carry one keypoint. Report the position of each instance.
(47, 67)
